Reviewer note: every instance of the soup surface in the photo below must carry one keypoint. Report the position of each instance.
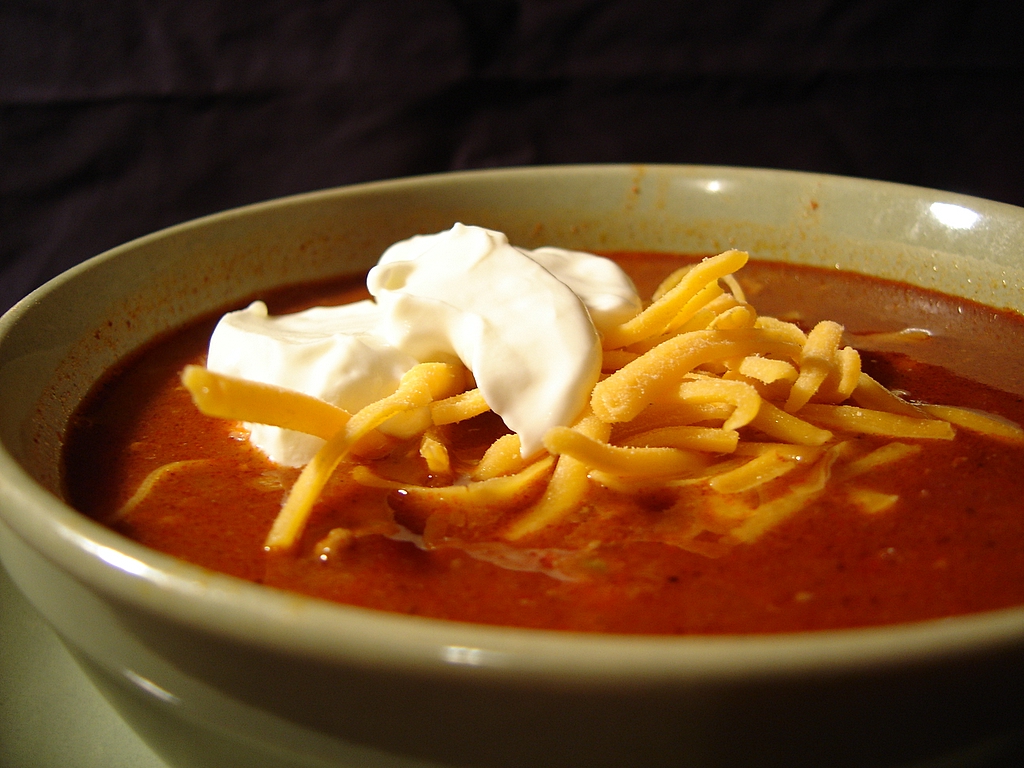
(951, 543)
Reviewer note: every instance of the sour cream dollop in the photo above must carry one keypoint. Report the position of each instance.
(527, 324)
(331, 353)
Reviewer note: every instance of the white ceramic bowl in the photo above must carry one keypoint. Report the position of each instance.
(215, 671)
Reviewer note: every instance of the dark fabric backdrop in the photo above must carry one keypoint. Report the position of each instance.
(124, 116)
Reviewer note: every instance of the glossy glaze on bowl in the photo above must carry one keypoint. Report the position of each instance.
(250, 674)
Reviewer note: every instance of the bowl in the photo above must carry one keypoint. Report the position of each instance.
(214, 671)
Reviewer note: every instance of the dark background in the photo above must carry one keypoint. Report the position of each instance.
(118, 117)
(124, 116)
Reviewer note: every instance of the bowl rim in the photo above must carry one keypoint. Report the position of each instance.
(294, 624)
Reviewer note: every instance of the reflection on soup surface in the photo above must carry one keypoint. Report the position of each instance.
(780, 482)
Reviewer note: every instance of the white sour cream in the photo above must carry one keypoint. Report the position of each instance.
(331, 353)
(526, 323)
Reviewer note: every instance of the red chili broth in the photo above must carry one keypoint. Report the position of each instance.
(953, 544)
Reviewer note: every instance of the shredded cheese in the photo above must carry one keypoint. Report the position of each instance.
(421, 385)
(976, 421)
(150, 482)
(700, 395)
